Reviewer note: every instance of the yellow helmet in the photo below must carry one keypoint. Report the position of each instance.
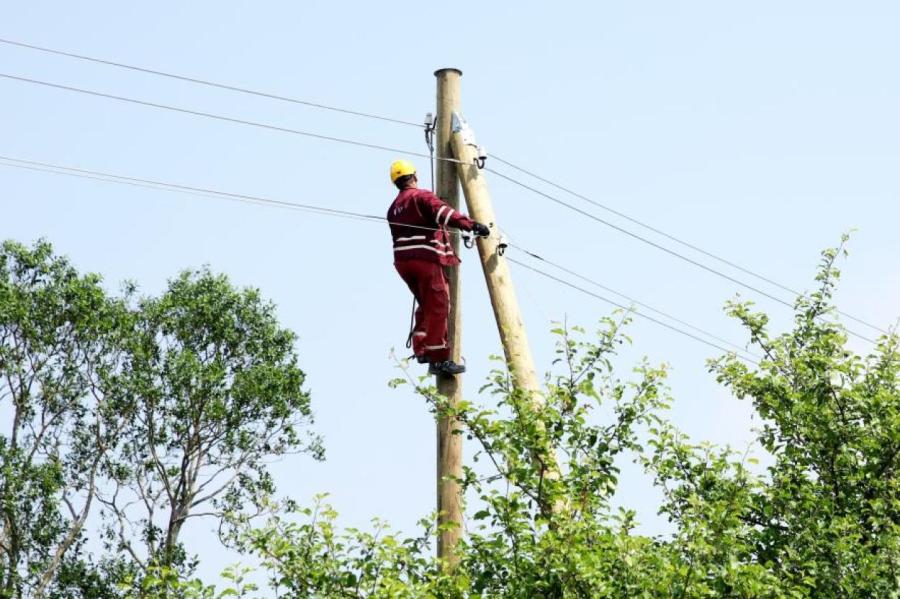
(401, 168)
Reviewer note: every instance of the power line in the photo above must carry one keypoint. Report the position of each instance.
(657, 245)
(193, 191)
(639, 237)
(220, 117)
(208, 83)
(650, 318)
(630, 299)
(411, 153)
(95, 175)
(318, 105)
(671, 237)
(153, 184)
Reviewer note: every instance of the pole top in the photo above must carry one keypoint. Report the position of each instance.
(438, 72)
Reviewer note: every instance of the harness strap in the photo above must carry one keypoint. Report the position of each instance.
(412, 324)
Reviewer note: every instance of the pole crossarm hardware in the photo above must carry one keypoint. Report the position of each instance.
(502, 293)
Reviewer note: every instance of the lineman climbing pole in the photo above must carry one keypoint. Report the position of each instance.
(449, 445)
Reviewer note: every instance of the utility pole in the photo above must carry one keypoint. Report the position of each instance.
(449, 445)
(496, 269)
(501, 290)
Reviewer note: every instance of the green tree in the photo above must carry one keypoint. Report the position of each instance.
(828, 517)
(514, 547)
(215, 389)
(59, 340)
(821, 521)
(144, 412)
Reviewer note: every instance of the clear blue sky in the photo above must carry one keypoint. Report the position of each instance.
(760, 131)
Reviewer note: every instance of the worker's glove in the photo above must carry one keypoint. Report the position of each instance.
(481, 230)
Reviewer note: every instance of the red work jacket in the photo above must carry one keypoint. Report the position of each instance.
(419, 221)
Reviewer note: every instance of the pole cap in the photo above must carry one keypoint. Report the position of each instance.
(451, 69)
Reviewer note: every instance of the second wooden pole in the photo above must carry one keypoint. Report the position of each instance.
(496, 269)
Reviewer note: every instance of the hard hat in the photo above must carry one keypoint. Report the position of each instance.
(401, 168)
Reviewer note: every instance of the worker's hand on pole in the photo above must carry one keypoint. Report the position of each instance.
(481, 230)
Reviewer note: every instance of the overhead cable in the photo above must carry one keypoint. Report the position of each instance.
(638, 237)
(418, 125)
(629, 299)
(671, 237)
(411, 153)
(190, 190)
(632, 310)
(326, 211)
(219, 117)
(658, 246)
(208, 83)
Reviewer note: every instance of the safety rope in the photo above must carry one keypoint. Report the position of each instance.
(412, 324)
(430, 124)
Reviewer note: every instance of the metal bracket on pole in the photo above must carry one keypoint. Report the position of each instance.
(429, 130)
(459, 125)
(482, 157)
(430, 124)
(502, 244)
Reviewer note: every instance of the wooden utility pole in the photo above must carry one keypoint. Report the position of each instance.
(496, 269)
(449, 445)
(501, 290)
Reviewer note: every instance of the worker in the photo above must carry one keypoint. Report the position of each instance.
(419, 222)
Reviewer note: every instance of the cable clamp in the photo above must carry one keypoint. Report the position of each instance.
(430, 125)
(482, 157)
(459, 125)
(502, 244)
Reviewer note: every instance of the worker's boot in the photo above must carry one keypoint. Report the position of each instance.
(447, 367)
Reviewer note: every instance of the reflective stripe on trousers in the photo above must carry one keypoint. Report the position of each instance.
(429, 286)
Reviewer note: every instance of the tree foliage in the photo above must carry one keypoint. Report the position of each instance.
(59, 341)
(153, 411)
(820, 521)
(142, 412)
(828, 516)
(214, 387)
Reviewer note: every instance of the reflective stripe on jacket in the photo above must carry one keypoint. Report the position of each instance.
(419, 221)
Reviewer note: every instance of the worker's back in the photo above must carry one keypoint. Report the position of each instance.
(418, 221)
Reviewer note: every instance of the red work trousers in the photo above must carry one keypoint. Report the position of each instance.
(429, 286)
